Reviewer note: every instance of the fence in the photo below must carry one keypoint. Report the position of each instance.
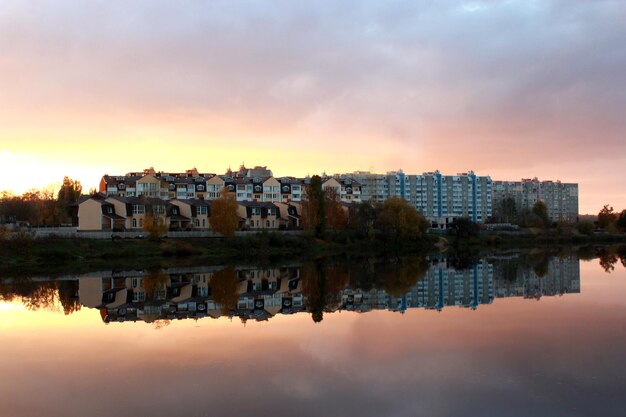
(71, 232)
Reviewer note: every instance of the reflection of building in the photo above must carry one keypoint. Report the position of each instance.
(259, 294)
(442, 286)
(559, 276)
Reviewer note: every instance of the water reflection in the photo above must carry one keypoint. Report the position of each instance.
(319, 288)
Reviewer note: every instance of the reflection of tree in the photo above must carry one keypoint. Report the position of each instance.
(621, 252)
(464, 257)
(509, 270)
(224, 289)
(68, 296)
(314, 287)
(338, 278)
(541, 267)
(608, 258)
(154, 282)
(43, 296)
(397, 278)
(586, 253)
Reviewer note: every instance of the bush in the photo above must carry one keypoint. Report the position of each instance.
(585, 227)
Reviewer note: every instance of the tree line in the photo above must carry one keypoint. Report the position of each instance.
(41, 207)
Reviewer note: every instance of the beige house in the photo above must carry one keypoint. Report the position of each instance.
(151, 186)
(214, 187)
(198, 211)
(95, 213)
(258, 215)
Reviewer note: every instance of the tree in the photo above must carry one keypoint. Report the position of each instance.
(336, 217)
(585, 227)
(540, 209)
(314, 207)
(224, 218)
(606, 216)
(398, 219)
(621, 221)
(463, 227)
(68, 194)
(507, 210)
(154, 224)
(362, 217)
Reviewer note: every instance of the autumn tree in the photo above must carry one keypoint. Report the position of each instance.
(336, 216)
(362, 218)
(225, 289)
(585, 227)
(314, 207)
(398, 219)
(507, 210)
(606, 217)
(621, 221)
(224, 218)
(68, 194)
(155, 221)
(463, 227)
(540, 209)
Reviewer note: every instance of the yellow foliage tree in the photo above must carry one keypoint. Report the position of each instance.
(224, 218)
(397, 218)
(336, 216)
(154, 224)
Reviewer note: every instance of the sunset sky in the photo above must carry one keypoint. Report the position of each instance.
(509, 89)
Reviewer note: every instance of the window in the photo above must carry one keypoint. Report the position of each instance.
(267, 223)
(134, 223)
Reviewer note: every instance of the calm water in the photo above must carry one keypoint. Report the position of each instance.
(522, 335)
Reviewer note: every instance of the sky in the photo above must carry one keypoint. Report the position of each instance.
(510, 89)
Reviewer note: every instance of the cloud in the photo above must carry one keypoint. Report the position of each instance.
(523, 80)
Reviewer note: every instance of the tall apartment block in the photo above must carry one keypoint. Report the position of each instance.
(561, 198)
(440, 198)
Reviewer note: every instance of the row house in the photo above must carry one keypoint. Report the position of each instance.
(115, 213)
(149, 183)
(348, 189)
(197, 211)
(101, 212)
(291, 189)
(258, 215)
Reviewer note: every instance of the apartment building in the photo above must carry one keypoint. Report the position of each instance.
(440, 198)
(560, 198)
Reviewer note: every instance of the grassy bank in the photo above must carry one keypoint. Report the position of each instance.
(56, 255)
(67, 256)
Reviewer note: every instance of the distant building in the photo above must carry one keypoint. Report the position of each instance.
(560, 198)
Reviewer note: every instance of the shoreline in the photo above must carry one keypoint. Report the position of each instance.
(52, 256)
